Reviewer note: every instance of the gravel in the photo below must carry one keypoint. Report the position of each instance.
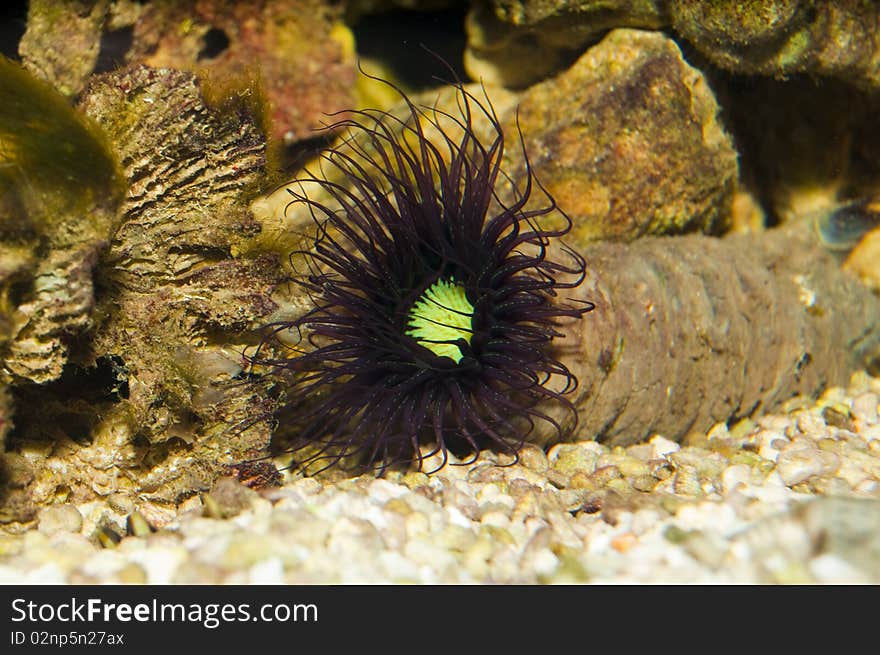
(787, 498)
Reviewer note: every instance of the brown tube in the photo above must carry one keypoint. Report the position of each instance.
(692, 330)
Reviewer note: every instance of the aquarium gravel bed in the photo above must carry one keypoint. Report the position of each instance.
(787, 498)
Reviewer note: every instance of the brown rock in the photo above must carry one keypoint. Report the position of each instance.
(517, 42)
(62, 41)
(627, 141)
(295, 61)
(153, 406)
(228, 498)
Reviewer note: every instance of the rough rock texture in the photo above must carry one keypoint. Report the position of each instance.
(786, 36)
(5, 414)
(154, 403)
(628, 141)
(516, 42)
(295, 61)
(59, 308)
(66, 62)
(59, 192)
(299, 54)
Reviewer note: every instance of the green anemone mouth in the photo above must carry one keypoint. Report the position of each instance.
(441, 318)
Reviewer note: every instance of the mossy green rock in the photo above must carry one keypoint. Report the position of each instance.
(153, 403)
(59, 191)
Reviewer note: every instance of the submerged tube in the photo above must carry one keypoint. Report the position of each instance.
(690, 331)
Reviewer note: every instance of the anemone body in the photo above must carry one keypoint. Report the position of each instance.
(435, 302)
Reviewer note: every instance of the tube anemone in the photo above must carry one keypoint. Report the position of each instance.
(435, 301)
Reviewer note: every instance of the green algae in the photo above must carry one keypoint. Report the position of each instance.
(53, 162)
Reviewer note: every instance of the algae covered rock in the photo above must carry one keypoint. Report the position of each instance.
(782, 37)
(59, 191)
(156, 401)
(63, 40)
(298, 55)
(517, 42)
(292, 61)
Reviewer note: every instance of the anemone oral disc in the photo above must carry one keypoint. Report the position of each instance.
(440, 317)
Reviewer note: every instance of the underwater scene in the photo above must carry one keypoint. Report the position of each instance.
(439, 292)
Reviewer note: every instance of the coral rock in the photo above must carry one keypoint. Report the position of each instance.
(151, 404)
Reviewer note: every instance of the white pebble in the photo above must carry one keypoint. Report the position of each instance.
(867, 487)
(770, 442)
(542, 562)
(812, 425)
(104, 564)
(383, 491)
(735, 477)
(498, 519)
(644, 520)
(60, 518)
(772, 492)
(269, 571)
(457, 518)
(422, 551)
(798, 465)
(397, 568)
(864, 408)
(829, 568)
(48, 573)
(416, 524)
(663, 446)
(160, 563)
